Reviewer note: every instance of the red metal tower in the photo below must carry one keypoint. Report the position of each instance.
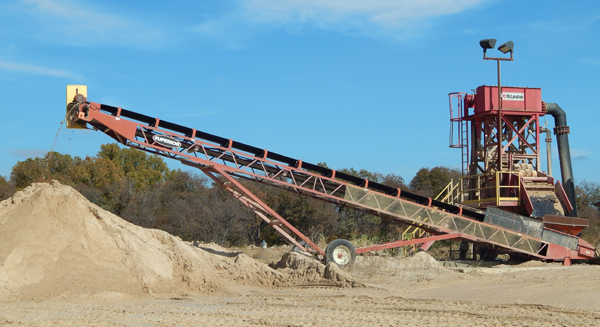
(498, 129)
(500, 154)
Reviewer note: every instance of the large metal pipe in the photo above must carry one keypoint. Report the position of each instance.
(561, 130)
(548, 149)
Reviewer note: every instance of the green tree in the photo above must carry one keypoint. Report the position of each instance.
(176, 205)
(587, 199)
(97, 173)
(314, 218)
(363, 173)
(430, 182)
(395, 181)
(353, 223)
(6, 189)
(52, 166)
(29, 171)
(391, 180)
(137, 166)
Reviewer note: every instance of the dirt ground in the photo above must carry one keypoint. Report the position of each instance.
(90, 268)
(545, 296)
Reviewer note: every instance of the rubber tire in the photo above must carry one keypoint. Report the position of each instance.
(340, 252)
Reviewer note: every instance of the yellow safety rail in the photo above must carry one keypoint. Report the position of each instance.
(492, 188)
(450, 194)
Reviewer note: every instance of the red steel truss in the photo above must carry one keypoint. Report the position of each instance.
(225, 161)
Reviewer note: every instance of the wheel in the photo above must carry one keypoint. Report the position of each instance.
(340, 252)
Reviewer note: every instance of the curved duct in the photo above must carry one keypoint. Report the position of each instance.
(561, 130)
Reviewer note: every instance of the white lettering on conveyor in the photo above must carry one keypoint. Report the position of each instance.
(166, 141)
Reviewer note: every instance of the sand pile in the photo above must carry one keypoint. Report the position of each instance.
(301, 269)
(420, 266)
(531, 264)
(55, 244)
(420, 260)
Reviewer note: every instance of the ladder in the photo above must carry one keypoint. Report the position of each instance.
(459, 128)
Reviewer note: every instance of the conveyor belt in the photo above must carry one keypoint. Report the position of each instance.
(218, 155)
(289, 161)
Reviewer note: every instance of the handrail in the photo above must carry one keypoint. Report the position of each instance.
(491, 187)
(450, 190)
(449, 196)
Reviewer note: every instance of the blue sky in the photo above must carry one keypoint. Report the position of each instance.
(360, 84)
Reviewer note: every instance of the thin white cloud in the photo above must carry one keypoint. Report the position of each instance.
(37, 70)
(398, 19)
(394, 16)
(86, 24)
(378, 10)
(229, 30)
(580, 154)
(576, 154)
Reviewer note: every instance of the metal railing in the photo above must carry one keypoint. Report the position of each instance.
(495, 188)
(450, 194)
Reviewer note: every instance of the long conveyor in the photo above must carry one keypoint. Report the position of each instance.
(217, 156)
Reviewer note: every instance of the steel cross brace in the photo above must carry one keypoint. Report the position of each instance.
(250, 200)
(396, 244)
(519, 133)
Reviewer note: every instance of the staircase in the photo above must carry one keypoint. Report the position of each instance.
(450, 194)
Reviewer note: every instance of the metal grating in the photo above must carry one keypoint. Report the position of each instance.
(561, 239)
(436, 219)
(514, 222)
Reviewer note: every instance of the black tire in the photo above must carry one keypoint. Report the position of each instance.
(340, 252)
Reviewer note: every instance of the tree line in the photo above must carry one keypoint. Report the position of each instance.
(140, 188)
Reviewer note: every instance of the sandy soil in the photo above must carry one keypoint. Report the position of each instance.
(82, 266)
(527, 297)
